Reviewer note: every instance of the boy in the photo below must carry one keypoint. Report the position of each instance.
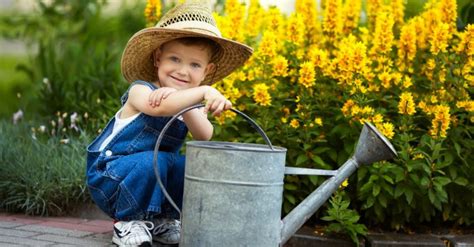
(171, 67)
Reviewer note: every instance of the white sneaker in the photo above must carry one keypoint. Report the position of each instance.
(132, 233)
(166, 231)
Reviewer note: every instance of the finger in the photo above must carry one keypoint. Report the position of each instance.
(208, 106)
(159, 98)
(228, 105)
(219, 109)
(166, 94)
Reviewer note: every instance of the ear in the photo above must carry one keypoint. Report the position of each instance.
(156, 57)
(209, 69)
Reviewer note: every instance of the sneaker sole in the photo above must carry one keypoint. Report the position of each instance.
(119, 243)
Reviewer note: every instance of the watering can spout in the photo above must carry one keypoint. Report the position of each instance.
(372, 147)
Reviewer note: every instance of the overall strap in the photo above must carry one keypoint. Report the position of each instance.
(124, 97)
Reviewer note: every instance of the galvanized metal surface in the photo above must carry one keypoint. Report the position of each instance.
(299, 215)
(308, 171)
(371, 147)
(232, 194)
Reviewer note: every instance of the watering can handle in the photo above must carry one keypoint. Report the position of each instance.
(163, 131)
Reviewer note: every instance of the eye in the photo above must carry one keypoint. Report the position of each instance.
(174, 59)
(196, 65)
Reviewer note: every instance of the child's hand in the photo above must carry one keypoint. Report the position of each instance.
(215, 102)
(159, 94)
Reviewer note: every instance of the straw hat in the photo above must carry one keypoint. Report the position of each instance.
(185, 20)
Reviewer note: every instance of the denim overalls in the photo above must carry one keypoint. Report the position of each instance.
(121, 177)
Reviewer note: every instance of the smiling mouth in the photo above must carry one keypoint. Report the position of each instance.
(179, 80)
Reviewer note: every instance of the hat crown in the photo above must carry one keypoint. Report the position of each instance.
(190, 16)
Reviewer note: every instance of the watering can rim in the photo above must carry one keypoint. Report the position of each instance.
(382, 138)
(236, 146)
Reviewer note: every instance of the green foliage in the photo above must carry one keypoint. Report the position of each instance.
(77, 64)
(41, 175)
(429, 182)
(342, 219)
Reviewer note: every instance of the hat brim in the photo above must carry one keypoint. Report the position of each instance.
(137, 64)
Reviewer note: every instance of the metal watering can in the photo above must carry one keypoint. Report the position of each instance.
(233, 192)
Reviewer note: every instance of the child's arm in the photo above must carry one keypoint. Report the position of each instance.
(175, 102)
(198, 124)
(196, 119)
(159, 94)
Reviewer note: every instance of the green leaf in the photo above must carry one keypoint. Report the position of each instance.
(290, 198)
(388, 179)
(383, 200)
(424, 181)
(319, 161)
(442, 180)
(399, 190)
(461, 181)
(289, 186)
(320, 150)
(375, 190)
(431, 195)
(313, 179)
(409, 196)
(301, 159)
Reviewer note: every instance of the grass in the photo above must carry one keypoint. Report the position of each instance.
(42, 175)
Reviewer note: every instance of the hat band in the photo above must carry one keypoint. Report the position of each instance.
(206, 27)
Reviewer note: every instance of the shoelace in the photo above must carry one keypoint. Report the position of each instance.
(167, 225)
(138, 226)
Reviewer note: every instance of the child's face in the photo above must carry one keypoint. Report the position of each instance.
(182, 66)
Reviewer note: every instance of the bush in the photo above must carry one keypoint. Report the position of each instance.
(77, 63)
(41, 174)
(315, 77)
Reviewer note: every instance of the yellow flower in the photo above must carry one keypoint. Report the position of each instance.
(152, 12)
(449, 13)
(268, 45)
(318, 57)
(347, 107)
(307, 75)
(418, 156)
(294, 123)
(284, 120)
(274, 20)
(351, 14)
(225, 115)
(385, 79)
(407, 82)
(280, 66)
(308, 10)
(383, 36)
(367, 110)
(295, 29)
(373, 7)
(398, 10)
(440, 122)
(406, 104)
(466, 44)
(261, 95)
(318, 121)
(407, 45)
(332, 24)
(468, 105)
(234, 12)
(440, 38)
(254, 20)
(344, 184)
(377, 118)
(386, 129)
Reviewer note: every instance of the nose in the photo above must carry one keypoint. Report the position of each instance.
(182, 70)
